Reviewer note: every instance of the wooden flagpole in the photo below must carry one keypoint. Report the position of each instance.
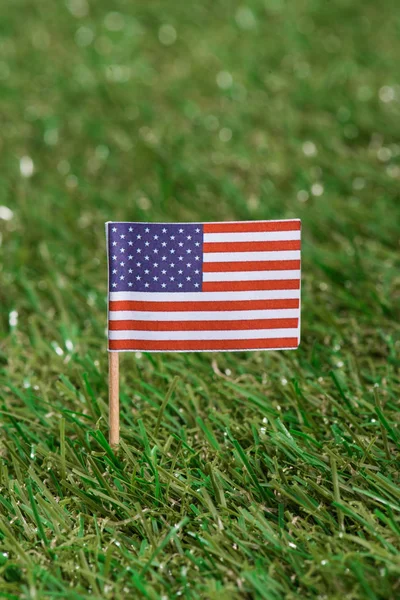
(113, 389)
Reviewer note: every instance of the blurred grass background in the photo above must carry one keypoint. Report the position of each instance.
(250, 475)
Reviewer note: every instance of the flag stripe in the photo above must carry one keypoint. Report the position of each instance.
(249, 256)
(230, 286)
(199, 306)
(252, 236)
(251, 275)
(252, 226)
(204, 315)
(225, 334)
(132, 324)
(256, 265)
(251, 246)
(204, 296)
(205, 345)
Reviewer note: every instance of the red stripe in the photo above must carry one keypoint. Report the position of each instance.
(201, 306)
(244, 286)
(252, 226)
(251, 246)
(202, 325)
(182, 345)
(251, 265)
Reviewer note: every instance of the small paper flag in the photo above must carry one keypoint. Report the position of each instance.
(204, 287)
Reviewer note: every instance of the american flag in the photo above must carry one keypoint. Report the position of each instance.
(185, 287)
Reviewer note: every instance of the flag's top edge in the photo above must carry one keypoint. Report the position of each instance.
(201, 222)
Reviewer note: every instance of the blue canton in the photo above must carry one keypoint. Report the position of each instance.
(155, 257)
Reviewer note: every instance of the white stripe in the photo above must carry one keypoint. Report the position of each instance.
(204, 315)
(204, 335)
(227, 257)
(255, 236)
(203, 296)
(251, 275)
(210, 350)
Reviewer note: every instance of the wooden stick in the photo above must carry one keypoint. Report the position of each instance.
(113, 387)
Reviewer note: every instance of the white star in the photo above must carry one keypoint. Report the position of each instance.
(130, 284)
(147, 230)
(146, 285)
(197, 271)
(196, 285)
(114, 229)
(130, 243)
(180, 243)
(155, 251)
(180, 257)
(122, 264)
(114, 271)
(163, 271)
(180, 272)
(188, 251)
(172, 237)
(179, 284)
(114, 257)
(172, 251)
(156, 237)
(122, 277)
(130, 228)
(138, 250)
(138, 264)
(139, 237)
(122, 236)
(130, 271)
(147, 258)
(114, 243)
(155, 265)
(114, 285)
(172, 265)
(122, 250)
(189, 265)
(155, 278)
(164, 244)
(164, 230)
(187, 278)
(163, 285)
(130, 257)
(197, 258)
(197, 244)
(138, 278)
(147, 272)
(197, 230)
(147, 243)
(189, 237)
(164, 258)
(181, 231)
(172, 278)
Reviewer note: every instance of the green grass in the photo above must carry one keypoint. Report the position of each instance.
(265, 475)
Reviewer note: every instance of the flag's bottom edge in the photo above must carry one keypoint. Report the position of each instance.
(141, 350)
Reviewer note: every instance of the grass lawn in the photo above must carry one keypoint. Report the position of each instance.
(245, 475)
